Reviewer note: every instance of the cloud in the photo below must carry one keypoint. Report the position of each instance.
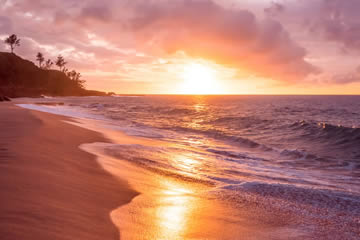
(5, 24)
(227, 35)
(351, 77)
(337, 21)
(233, 37)
(97, 13)
(274, 9)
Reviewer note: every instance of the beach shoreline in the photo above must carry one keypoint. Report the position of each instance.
(55, 186)
(62, 178)
(50, 189)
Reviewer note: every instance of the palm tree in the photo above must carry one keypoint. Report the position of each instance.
(48, 64)
(76, 77)
(40, 58)
(13, 42)
(60, 62)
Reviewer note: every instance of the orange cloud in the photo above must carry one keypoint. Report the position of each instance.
(233, 37)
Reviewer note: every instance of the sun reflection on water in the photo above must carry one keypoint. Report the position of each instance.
(175, 207)
(199, 107)
(186, 162)
(199, 120)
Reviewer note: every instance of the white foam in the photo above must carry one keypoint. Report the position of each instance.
(62, 110)
(104, 122)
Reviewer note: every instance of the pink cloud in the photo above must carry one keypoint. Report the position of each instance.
(350, 77)
(5, 24)
(334, 20)
(233, 37)
(275, 8)
(201, 28)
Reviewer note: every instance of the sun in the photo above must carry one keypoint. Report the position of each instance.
(199, 79)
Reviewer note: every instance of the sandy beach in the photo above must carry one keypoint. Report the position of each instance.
(50, 189)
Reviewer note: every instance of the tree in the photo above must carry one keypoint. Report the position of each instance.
(76, 77)
(48, 64)
(13, 42)
(60, 62)
(40, 58)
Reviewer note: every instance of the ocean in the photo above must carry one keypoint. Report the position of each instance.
(295, 152)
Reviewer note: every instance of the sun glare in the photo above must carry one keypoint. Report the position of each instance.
(199, 79)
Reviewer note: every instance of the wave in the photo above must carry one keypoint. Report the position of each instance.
(236, 129)
(337, 211)
(325, 132)
(162, 110)
(235, 155)
(242, 122)
(293, 196)
(153, 159)
(177, 111)
(220, 135)
(298, 154)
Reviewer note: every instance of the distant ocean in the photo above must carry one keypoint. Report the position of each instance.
(298, 149)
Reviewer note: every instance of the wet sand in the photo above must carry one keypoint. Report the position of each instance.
(50, 189)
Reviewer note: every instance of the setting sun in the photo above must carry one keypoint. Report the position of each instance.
(199, 79)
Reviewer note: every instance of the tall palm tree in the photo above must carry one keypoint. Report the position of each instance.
(60, 62)
(40, 58)
(13, 42)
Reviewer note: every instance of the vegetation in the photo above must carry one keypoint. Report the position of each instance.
(13, 42)
(22, 78)
(40, 58)
(76, 77)
(48, 64)
(60, 62)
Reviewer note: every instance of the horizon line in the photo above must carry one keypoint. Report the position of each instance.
(175, 94)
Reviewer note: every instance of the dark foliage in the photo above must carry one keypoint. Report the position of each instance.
(60, 62)
(40, 58)
(48, 64)
(22, 78)
(13, 41)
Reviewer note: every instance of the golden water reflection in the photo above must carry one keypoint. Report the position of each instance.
(200, 107)
(175, 207)
(202, 116)
(187, 162)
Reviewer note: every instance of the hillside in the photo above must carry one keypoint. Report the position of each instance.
(22, 78)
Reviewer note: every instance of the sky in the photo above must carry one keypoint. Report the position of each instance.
(195, 46)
